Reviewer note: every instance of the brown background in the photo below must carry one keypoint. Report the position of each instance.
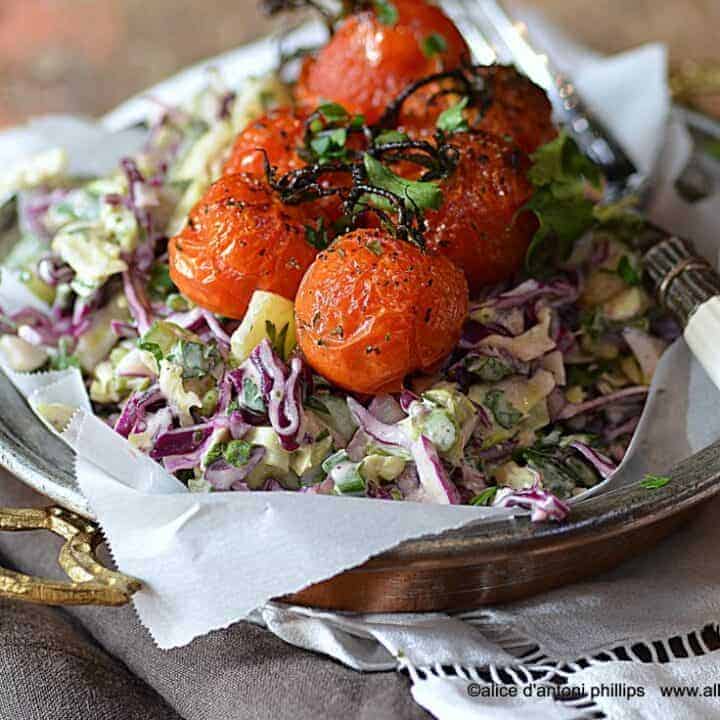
(88, 55)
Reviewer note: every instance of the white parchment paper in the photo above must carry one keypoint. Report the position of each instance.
(207, 561)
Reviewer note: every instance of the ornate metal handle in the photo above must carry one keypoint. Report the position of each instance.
(689, 287)
(90, 582)
(682, 278)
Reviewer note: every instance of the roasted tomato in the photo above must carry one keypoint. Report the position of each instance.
(518, 109)
(372, 309)
(480, 225)
(370, 60)
(280, 134)
(240, 238)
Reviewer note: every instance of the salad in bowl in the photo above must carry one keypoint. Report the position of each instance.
(393, 277)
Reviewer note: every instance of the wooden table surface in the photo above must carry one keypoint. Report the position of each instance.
(88, 55)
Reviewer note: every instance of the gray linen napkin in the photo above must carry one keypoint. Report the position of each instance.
(50, 669)
(243, 672)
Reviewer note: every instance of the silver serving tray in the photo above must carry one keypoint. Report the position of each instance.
(497, 561)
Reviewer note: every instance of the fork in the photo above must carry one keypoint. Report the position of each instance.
(685, 283)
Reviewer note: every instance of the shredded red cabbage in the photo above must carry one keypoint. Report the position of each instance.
(135, 409)
(223, 476)
(542, 504)
(631, 394)
(281, 392)
(437, 486)
(180, 441)
(377, 430)
(600, 462)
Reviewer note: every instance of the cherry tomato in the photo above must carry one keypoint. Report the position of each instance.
(480, 225)
(373, 308)
(280, 134)
(240, 238)
(368, 63)
(518, 109)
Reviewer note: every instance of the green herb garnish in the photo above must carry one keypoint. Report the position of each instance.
(486, 497)
(332, 113)
(627, 271)
(506, 416)
(196, 359)
(561, 175)
(434, 44)
(153, 348)
(252, 398)
(329, 144)
(209, 402)
(214, 454)
(237, 453)
(489, 369)
(328, 133)
(161, 285)
(318, 405)
(422, 195)
(64, 359)
(386, 12)
(453, 120)
(390, 136)
(375, 248)
(277, 339)
(654, 482)
(317, 237)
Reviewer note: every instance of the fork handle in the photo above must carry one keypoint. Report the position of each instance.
(689, 287)
(591, 136)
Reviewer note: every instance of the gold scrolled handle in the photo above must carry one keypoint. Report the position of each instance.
(90, 583)
(692, 81)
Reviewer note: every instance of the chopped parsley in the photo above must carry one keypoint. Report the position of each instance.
(237, 453)
(386, 137)
(506, 416)
(252, 398)
(434, 44)
(153, 348)
(486, 497)
(196, 359)
(329, 131)
(317, 237)
(422, 195)
(329, 144)
(654, 482)
(627, 271)
(489, 369)
(386, 12)
(214, 454)
(453, 120)
(161, 285)
(375, 248)
(64, 359)
(277, 339)
(332, 113)
(560, 174)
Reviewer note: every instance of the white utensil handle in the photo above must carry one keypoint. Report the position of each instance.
(702, 334)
